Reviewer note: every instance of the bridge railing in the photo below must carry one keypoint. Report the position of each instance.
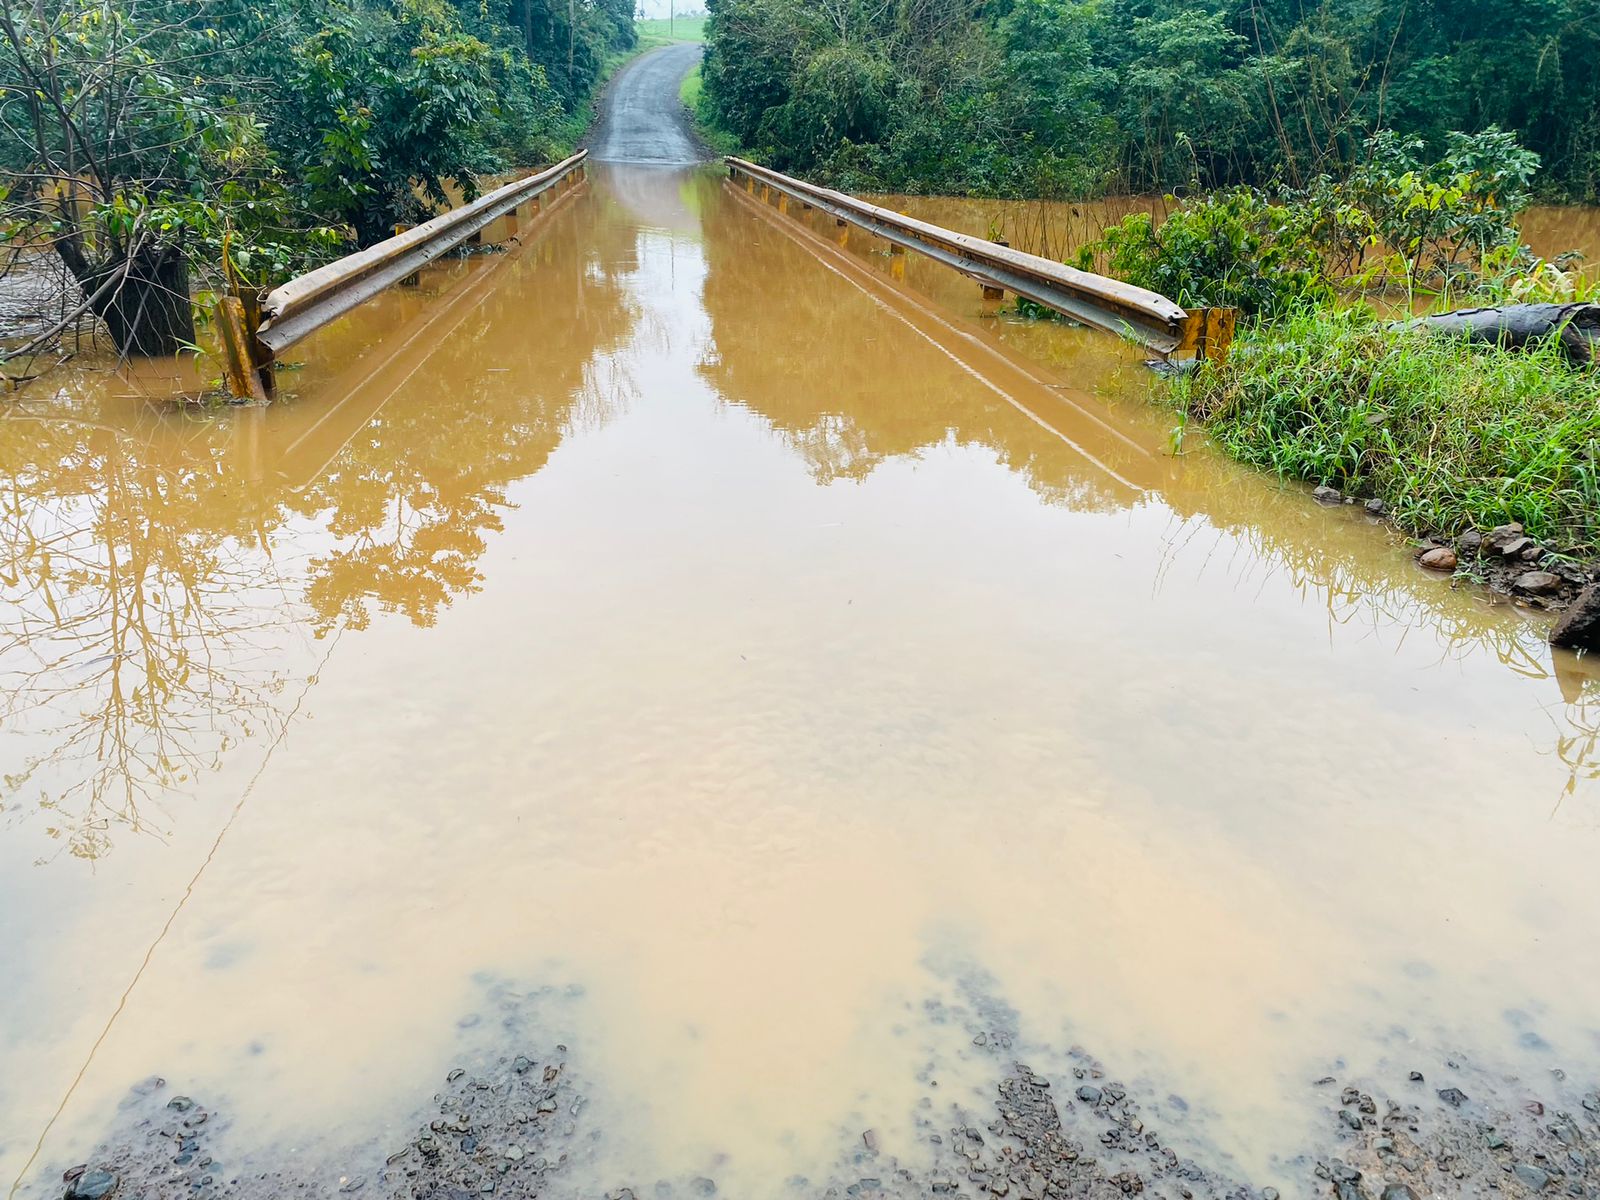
(305, 304)
(1147, 317)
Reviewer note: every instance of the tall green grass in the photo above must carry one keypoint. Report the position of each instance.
(1449, 435)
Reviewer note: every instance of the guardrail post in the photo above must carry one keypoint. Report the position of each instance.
(783, 203)
(1207, 333)
(1220, 325)
(238, 358)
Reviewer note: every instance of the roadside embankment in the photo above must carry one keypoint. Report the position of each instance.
(1487, 455)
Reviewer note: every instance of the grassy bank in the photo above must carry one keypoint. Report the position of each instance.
(1450, 436)
(692, 93)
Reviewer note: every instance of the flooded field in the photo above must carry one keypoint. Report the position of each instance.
(1058, 228)
(775, 698)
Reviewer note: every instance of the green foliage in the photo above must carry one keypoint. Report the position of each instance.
(1450, 435)
(1443, 224)
(1233, 248)
(137, 136)
(1063, 97)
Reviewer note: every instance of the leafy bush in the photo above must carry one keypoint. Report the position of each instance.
(1446, 223)
(1233, 248)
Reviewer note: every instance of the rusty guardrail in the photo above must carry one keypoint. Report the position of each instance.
(1109, 304)
(307, 303)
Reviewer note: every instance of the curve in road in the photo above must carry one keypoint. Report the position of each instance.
(641, 118)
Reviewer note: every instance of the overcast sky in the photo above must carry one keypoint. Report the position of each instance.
(658, 8)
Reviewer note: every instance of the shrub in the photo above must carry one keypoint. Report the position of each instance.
(1232, 248)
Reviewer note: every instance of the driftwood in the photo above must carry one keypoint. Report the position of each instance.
(1516, 326)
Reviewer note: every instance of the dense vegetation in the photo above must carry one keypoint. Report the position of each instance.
(136, 136)
(1043, 98)
(1451, 435)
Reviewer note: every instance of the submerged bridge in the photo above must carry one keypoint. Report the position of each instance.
(642, 123)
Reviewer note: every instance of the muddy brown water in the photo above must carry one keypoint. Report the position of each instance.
(1059, 228)
(744, 648)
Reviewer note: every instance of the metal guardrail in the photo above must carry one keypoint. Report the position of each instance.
(1109, 304)
(305, 304)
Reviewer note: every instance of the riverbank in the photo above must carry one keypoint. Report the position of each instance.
(1487, 452)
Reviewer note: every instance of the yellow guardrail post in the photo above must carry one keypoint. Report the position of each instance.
(238, 351)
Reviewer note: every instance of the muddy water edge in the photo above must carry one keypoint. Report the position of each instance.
(687, 707)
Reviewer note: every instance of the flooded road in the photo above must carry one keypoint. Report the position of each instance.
(795, 692)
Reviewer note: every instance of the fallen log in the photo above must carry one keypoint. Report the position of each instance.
(1517, 326)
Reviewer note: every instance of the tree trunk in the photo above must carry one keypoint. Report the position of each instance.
(149, 315)
(1515, 326)
(147, 312)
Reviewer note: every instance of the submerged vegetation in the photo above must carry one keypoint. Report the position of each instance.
(1449, 434)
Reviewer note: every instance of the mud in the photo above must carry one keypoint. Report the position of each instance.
(512, 1127)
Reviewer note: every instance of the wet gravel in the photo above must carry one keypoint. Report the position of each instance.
(510, 1129)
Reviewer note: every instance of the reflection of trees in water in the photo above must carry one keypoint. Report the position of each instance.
(412, 497)
(849, 385)
(147, 620)
(139, 636)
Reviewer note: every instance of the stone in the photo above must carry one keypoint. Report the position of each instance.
(1376, 507)
(1416, 1077)
(1514, 548)
(1440, 558)
(1579, 629)
(1089, 1095)
(1452, 1096)
(1326, 495)
(1533, 553)
(1398, 1191)
(92, 1185)
(1350, 1119)
(703, 1186)
(1537, 583)
(870, 1138)
(1534, 1177)
(1470, 542)
(180, 1103)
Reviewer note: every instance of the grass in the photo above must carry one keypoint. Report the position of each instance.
(657, 31)
(1449, 435)
(690, 91)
